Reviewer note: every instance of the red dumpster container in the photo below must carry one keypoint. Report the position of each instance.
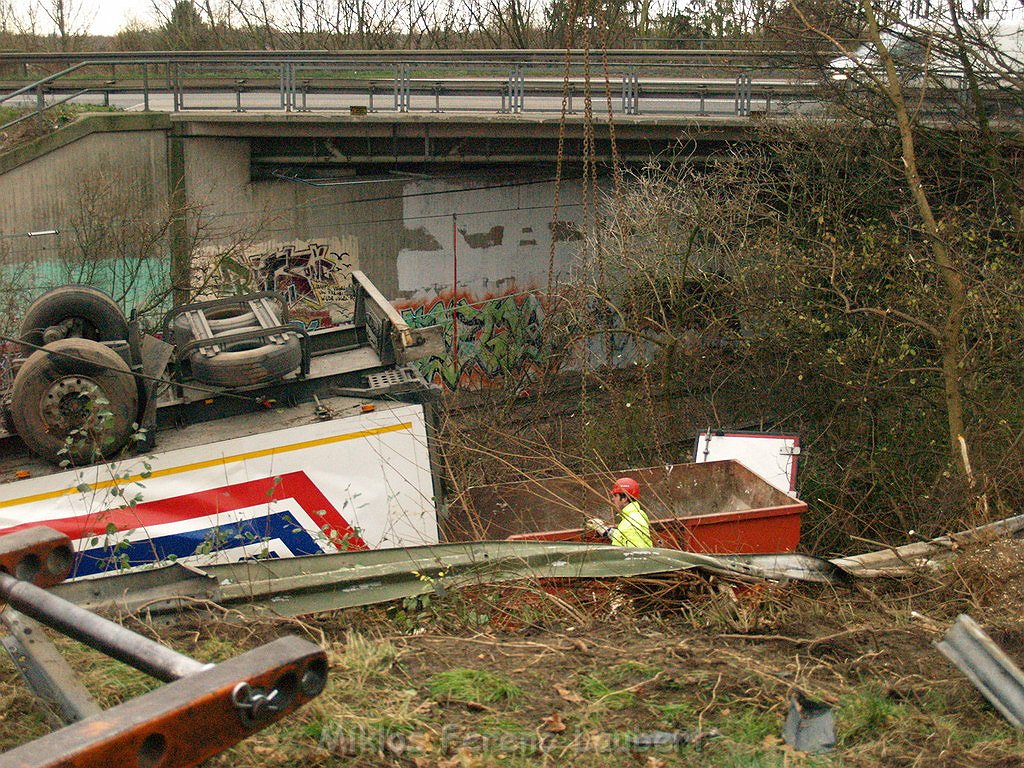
(717, 507)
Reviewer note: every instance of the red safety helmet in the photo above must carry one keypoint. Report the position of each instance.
(627, 486)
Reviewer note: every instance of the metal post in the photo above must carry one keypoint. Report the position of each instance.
(145, 87)
(516, 90)
(703, 91)
(176, 87)
(741, 101)
(402, 88)
(292, 100)
(631, 91)
(45, 671)
(370, 107)
(99, 633)
(437, 97)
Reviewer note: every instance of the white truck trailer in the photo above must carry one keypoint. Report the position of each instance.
(237, 436)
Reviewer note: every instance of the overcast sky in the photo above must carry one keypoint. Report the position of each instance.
(109, 16)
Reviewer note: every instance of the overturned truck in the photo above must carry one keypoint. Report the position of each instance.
(236, 434)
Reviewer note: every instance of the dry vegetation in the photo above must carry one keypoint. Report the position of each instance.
(537, 675)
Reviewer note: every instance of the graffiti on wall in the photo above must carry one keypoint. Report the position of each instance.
(313, 276)
(488, 342)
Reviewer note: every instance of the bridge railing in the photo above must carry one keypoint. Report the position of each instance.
(499, 81)
(720, 82)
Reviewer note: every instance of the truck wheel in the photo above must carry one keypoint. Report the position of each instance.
(75, 399)
(92, 315)
(247, 362)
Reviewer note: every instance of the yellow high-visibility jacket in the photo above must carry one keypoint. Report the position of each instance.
(634, 529)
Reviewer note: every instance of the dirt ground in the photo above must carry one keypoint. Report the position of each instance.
(673, 671)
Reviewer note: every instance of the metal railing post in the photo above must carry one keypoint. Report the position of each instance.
(516, 90)
(176, 93)
(402, 88)
(145, 87)
(283, 87)
(631, 91)
(741, 101)
(703, 91)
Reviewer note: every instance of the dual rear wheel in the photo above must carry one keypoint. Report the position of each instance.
(74, 399)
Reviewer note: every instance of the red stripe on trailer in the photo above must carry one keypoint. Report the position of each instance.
(210, 502)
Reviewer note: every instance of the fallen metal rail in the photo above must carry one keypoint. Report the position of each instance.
(304, 585)
(897, 561)
(991, 671)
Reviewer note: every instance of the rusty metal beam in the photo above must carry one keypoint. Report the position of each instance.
(186, 722)
(39, 556)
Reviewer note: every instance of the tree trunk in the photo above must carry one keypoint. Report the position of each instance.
(950, 337)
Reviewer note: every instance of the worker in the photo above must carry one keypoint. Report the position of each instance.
(634, 529)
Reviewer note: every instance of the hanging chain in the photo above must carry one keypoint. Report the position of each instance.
(589, 148)
(571, 14)
(602, 29)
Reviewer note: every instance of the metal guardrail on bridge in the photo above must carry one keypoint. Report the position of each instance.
(736, 82)
(720, 81)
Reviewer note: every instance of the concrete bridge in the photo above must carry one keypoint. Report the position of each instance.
(383, 188)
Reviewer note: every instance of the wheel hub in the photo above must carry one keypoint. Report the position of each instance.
(72, 403)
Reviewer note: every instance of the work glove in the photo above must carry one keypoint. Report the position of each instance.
(597, 525)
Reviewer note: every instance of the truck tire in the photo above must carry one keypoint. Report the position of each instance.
(74, 400)
(245, 363)
(94, 315)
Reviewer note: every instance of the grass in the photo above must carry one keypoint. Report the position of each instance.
(867, 712)
(473, 685)
(446, 693)
(364, 657)
(602, 695)
(751, 726)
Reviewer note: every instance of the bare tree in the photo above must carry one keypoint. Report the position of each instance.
(70, 19)
(505, 23)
